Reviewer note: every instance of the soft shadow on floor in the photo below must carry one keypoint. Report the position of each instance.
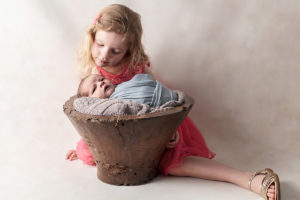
(289, 191)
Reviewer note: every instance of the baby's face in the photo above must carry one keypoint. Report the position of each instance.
(97, 86)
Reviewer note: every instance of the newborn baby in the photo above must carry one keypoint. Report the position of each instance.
(142, 88)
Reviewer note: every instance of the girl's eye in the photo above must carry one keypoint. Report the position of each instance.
(100, 45)
(116, 52)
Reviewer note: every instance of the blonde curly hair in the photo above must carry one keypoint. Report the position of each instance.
(121, 20)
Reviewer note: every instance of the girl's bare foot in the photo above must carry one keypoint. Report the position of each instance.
(71, 155)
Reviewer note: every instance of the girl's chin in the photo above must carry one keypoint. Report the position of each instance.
(103, 65)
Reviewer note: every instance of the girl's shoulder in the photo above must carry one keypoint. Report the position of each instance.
(140, 68)
(131, 71)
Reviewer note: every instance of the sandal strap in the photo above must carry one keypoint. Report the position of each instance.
(265, 184)
(260, 172)
(269, 179)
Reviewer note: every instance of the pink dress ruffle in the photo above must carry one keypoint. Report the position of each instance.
(191, 141)
(84, 154)
(125, 75)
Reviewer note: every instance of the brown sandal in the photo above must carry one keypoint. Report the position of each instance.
(269, 179)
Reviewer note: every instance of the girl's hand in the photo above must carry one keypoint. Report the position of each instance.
(173, 141)
(71, 155)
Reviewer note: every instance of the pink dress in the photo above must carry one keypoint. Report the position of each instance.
(191, 141)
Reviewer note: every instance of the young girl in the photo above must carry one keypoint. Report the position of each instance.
(112, 48)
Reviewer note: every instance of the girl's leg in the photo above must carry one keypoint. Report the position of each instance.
(204, 168)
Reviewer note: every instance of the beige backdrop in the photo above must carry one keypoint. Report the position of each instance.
(239, 60)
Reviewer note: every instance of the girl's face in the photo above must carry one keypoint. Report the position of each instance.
(108, 48)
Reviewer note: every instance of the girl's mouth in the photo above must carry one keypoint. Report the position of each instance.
(102, 62)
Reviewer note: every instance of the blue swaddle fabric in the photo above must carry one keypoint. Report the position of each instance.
(162, 95)
(142, 88)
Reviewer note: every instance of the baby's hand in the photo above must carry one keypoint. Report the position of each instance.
(71, 155)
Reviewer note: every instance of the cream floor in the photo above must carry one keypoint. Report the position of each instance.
(35, 169)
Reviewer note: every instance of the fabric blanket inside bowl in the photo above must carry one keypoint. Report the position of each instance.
(97, 106)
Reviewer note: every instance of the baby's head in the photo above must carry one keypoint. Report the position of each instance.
(95, 85)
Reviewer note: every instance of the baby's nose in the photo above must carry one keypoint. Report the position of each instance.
(101, 83)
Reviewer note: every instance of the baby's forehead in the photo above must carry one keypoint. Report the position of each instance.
(87, 81)
(93, 76)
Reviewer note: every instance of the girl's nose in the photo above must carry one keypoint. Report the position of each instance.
(105, 54)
